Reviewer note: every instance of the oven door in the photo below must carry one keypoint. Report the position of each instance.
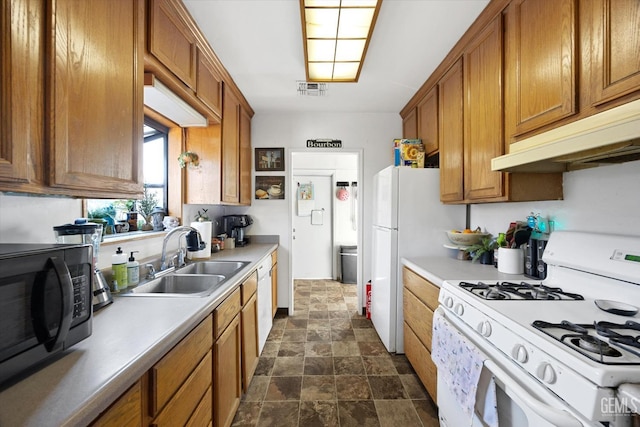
(520, 400)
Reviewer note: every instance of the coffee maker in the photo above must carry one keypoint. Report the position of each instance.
(234, 226)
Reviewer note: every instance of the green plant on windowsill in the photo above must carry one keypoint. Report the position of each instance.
(147, 205)
(486, 245)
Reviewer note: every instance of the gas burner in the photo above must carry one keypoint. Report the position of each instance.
(518, 291)
(595, 345)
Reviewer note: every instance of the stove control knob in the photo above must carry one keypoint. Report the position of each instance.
(448, 301)
(546, 373)
(459, 309)
(520, 353)
(484, 328)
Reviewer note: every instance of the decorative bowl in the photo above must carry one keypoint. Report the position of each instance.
(465, 239)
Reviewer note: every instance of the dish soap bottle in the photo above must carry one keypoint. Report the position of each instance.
(119, 267)
(133, 270)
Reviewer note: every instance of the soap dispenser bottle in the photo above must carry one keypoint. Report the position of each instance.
(119, 267)
(133, 270)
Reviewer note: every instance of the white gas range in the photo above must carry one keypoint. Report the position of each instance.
(557, 358)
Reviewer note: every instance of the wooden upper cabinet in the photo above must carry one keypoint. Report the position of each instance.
(21, 97)
(230, 147)
(95, 94)
(451, 134)
(410, 125)
(172, 42)
(202, 184)
(209, 83)
(615, 47)
(245, 157)
(541, 62)
(483, 131)
(427, 114)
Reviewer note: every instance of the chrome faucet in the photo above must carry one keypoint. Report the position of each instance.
(181, 230)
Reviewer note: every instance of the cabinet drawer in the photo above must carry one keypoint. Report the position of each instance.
(420, 359)
(418, 316)
(224, 314)
(168, 374)
(203, 415)
(248, 288)
(426, 291)
(125, 412)
(188, 398)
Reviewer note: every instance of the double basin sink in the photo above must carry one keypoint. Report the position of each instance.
(199, 279)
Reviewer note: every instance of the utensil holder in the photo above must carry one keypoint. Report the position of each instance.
(511, 260)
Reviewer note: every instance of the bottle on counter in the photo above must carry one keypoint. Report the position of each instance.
(119, 267)
(133, 270)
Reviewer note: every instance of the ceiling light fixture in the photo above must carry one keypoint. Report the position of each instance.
(336, 34)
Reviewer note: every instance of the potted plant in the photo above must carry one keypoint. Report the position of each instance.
(147, 205)
(483, 250)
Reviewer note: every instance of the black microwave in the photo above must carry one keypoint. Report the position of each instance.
(45, 303)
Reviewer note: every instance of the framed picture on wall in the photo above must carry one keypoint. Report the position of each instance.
(269, 159)
(269, 187)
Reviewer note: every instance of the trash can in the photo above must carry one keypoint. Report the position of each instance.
(349, 262)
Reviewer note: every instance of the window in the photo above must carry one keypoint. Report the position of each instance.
(154, 170)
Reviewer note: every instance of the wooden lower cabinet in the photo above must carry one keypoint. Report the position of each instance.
(125, 412)
(227, 374)
(420, 299)
(274, 282)
(249, 327)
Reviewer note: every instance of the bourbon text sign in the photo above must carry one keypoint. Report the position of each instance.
(324, 143)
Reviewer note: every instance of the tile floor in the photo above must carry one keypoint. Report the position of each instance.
(325, 366)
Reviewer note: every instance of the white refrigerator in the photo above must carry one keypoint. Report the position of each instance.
(408, 221)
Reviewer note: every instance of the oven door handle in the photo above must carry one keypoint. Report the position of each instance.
(555, 416)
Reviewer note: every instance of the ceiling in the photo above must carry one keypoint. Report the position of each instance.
(260, 44)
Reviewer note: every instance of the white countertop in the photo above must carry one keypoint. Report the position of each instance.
(128, 338)
(439, 269)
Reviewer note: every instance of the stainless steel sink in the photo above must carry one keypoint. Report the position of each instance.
(179, 285)
(226, 268)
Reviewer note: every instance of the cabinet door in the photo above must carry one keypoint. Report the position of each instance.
(21, 92)
(125, 412)
(541, 62)
(483, 131)
(202, 184)
(230, 147)
(209, 83)
(95, 91)
(172, 42)
(410, 125)
(615, 49)
(451, 134)
(428, 121)
(227, 374)
(245, 158)
(250, 353)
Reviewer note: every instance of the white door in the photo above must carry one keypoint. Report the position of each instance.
(313, 240)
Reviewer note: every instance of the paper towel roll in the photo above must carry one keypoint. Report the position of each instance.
(205, 232)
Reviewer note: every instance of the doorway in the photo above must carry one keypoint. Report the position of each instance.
(320, 226)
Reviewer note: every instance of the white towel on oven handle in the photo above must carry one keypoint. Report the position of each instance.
(460, 364)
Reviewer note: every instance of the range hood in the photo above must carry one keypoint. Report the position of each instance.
(612, 136)
(161, 99)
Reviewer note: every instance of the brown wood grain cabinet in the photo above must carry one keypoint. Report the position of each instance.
(209, 82)
(420, 299)
(202, 184)
(227, 367)
(245, 157)
(410, 124)
(124, 412)
(57, 92)
(541, 86)
(615, 49)
(427, 114)
(451, 134)
(172, 41)
(483, 104)
(249, 327)
(230, 147)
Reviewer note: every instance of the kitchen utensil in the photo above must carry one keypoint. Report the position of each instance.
(616, 307)
(521, 237)
(101, 292)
